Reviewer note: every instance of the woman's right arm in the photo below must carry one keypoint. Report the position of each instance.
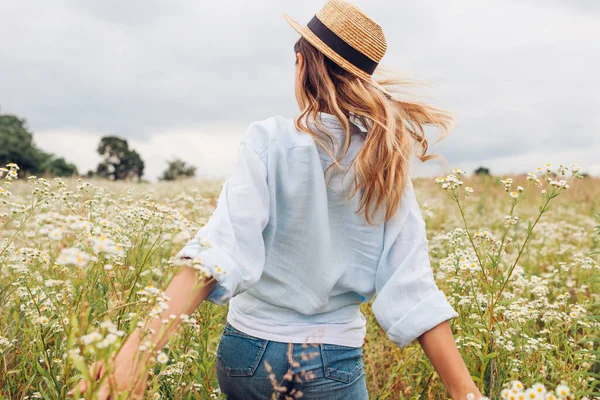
(186, 291)
(229, 248)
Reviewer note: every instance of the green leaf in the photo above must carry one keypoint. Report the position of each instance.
(80, 366)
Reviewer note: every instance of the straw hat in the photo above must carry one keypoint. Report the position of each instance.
(347, 36)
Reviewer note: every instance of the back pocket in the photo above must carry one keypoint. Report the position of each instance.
(342, 363)
(239, 353)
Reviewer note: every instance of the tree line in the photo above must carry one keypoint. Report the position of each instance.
(119, 161)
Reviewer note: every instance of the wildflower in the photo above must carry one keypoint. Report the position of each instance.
(562, 390)
(91, 338)
(539, 388)
(43, 320)
(510, 220)
(520, 189)
(102, 244)
(108, 267)
(514, 195)
(517, 385)
(85, 226)
(56, 234)
(156, 311)
(107, 341)
(73, 256)
(469, 190)
(507, 183)
(450, 182)
(531, 394)
(459, 172)
(162, 358)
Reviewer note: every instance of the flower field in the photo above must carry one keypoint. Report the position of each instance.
(83, 263)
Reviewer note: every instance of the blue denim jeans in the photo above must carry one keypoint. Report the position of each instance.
(249, 368)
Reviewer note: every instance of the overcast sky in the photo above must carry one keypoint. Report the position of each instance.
(185, 78)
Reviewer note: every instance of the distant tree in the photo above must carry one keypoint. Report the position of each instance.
(60, 167)
(482, 171)
(120, 162)
(177, 169)
(16, 145)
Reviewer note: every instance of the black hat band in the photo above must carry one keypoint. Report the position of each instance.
(343, 49)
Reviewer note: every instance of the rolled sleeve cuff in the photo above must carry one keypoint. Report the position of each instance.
(426, 315)
(220, 266)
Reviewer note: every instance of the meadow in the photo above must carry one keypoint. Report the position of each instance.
(83, 262)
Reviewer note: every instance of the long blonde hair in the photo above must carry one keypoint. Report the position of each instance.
(393, 127)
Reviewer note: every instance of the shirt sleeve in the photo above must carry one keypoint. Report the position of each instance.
(231, 246)
(408, 302)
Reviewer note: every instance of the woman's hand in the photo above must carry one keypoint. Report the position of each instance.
(96, 372)
(128, 375)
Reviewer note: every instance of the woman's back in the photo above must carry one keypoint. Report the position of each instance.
(301, 260)
(321, 256)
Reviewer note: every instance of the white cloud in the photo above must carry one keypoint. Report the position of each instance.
(75, 146)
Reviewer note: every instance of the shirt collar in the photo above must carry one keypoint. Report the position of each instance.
(331, 121)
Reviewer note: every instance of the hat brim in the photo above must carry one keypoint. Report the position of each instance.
(323, 48)
(329, 53)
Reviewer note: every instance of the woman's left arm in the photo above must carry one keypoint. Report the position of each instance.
(440, 347)
(408, 303)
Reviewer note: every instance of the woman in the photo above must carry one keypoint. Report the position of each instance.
(318, 217)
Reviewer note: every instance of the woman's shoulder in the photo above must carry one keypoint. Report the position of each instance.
(260, 134)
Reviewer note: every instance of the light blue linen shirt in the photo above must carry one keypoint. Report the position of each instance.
(287, 248)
